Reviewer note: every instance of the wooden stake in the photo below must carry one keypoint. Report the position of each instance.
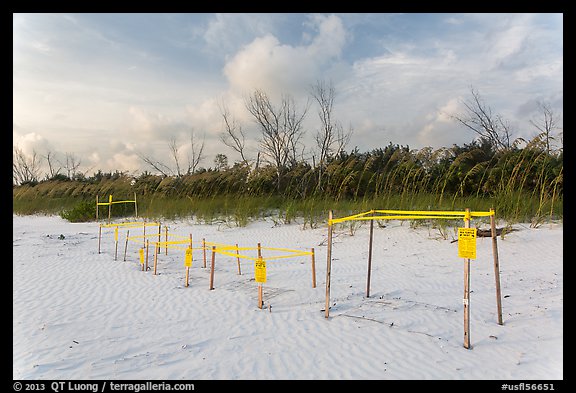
(238, 259)
(328, 265)
(260, 296)
(109, 208)
(313, 270)
(466, 300)
(188, 267)
(159, 234)
(369, 257)
(135, 206)
(156, 258)
(96, 208)
(147, 248)
(260, 293)
(212, 267)
(144, 236)
(99, 237)
(126, 244)
(204, 250)
(116, 243)
(496, 266)
(166, 239)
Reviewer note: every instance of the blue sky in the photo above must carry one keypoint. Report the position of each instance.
(110, 88)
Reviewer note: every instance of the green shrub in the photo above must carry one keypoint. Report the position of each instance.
(82, 212)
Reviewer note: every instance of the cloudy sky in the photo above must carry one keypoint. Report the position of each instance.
(112, 88)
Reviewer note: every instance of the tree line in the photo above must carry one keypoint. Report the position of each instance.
(494, 163)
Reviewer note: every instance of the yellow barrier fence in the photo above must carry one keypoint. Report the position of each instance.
(111, 202)
(186, 243)
(133, 224)
(465, 215)
(410, 215)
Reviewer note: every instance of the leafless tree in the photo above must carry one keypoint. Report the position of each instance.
(195, 157)
(173, 146)
(280, 127)
(51, 165)
(71, 165)
(479, 118)
(162, 168)
(24, 169)
(546, 124)
(233, 136)
(331, 138)
(196, 153)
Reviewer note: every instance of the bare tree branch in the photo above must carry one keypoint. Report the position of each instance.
(51, 168)
(280, 127)
(479, 119)
(157, 165)
(546, 124)
(233, 136)
(24, 169)
(331, 138)
(196, 153)
(71, 165)
(173, 146)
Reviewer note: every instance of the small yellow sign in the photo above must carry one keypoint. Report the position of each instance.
(116, 234)
(260, 270)
(467, 243)
(188, 258)
(141, 252)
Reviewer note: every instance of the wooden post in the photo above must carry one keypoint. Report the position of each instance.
(166, 239)
(156, 258)
(135, 206)
(260, 296)
(109, 208)
(188, 267)
(212, 267)
(369, 257)
(159, 234)
(204, 250)
(116, 243)
(96, 208)
(238, 259)
(144, 235)
(328, 264)
(126, 244)
(147, 248)
(260, 292)
(496, 266)
(466, 300)
(99, 236)
(313, 270)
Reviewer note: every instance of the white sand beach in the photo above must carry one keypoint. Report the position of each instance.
(80, 314)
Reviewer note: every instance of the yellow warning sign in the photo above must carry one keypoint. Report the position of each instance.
(141, 252)
(467, 243)
(260, 270)
(188, 258)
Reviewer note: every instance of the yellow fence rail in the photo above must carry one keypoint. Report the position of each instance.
(410, 215)
(465, 215)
